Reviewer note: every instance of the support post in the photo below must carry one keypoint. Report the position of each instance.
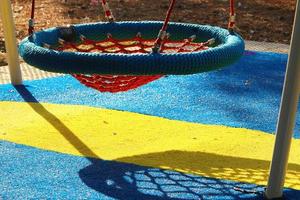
(287, 115)
(10, 42)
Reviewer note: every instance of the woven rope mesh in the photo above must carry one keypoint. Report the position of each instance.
(121, 83)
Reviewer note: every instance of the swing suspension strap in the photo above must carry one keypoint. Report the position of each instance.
(31, 20)
(162, 33)
(108, 14)
(231, 23)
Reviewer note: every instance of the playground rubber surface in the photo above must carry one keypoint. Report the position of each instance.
(202, 136)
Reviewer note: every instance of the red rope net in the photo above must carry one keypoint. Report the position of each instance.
(121, 83)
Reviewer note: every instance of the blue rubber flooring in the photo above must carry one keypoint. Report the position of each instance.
(30, 173)
(246, 94)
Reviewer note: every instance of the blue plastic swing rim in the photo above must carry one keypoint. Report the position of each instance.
(229, 49)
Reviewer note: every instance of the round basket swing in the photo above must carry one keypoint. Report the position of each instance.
(120, 56)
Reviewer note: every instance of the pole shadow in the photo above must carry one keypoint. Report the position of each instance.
(121, 180)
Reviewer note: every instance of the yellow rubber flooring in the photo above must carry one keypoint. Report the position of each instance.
(214, 151)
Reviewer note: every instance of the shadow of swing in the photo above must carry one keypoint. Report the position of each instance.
(214, 165)
(130, 181)
(122, 180)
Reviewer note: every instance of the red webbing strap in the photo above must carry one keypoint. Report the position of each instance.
(107, 11)
(31, 20)
(231, 23)
(162, 33)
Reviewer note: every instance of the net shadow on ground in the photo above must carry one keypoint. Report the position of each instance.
(214, 165)
(128, 181)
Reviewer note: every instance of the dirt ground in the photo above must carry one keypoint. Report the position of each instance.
(258, 20)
